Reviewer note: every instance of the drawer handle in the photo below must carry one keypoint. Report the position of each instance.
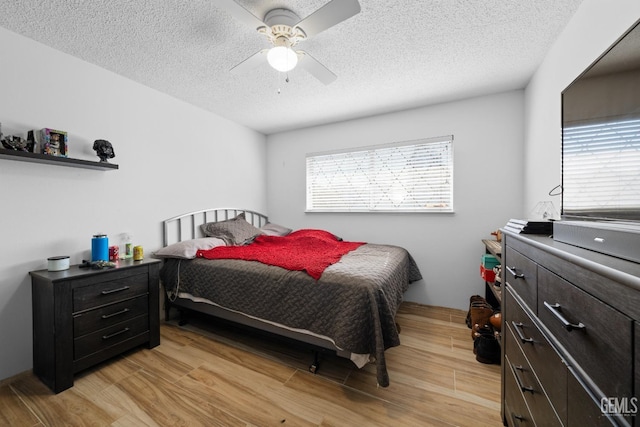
(106, 337)
(555, 310)
(117, 313)
(113, 291)
(518, 326)
(515, 273)
(516, 368)
(517, 419)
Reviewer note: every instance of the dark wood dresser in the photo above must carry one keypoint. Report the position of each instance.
(82, 317)
(571, 353)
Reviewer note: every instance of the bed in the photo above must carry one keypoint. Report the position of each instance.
(347, 307)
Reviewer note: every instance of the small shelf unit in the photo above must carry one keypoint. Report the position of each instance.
(493, 292)
(25, 156)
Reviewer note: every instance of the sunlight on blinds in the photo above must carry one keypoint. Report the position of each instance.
(602, 166)
(413, 176)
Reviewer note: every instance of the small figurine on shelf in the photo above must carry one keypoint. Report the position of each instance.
(14, 143)
(103, 149)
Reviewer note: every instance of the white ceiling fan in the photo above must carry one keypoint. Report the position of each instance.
(284, 30)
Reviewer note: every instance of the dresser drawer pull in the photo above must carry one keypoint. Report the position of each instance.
(514, 273)
(106, 337)
(117, 313)
(516, 368)
(517, 419)
(555, 310)
(113, 291)
(518, 326)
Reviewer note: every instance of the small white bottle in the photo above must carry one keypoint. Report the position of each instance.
(126, 246)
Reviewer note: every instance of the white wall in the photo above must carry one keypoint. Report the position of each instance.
(173, 158)
(488, 141)
(595, 26)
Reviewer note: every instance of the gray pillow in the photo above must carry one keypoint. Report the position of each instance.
(188, 248)
(236, 231)
(272, 229)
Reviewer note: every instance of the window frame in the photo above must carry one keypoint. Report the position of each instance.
(376, 195)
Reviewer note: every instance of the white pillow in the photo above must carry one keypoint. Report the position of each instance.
(188, 248)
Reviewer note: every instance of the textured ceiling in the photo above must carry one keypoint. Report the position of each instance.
(391, 56)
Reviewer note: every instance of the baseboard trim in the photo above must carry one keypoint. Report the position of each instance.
(15, 377)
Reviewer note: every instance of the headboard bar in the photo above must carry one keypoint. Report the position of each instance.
(187, 226)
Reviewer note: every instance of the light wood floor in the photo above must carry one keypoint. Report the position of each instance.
(218, 376)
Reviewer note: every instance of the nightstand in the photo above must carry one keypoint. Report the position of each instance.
(82, 317)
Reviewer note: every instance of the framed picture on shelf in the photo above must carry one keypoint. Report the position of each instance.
(54, 142)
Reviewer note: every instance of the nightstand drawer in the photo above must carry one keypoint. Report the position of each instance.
(95, 320)
(596, 335)
(542, 357)
(521, 274)
(99, 294)
(110, 336)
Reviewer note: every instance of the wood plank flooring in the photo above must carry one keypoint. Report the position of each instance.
(212, 374)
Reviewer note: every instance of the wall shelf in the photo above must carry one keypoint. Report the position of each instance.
(53, 160)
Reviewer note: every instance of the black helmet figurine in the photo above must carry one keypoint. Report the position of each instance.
(103, 149)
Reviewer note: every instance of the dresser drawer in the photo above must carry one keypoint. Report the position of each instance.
(585, 411)
(516, 412)
(542, 357)
(597, 336)
(107, 292)
(527, 382)
(521, 274)
(109, 336)
(100, 318)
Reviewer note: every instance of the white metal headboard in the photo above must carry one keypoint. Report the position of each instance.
(187, 226)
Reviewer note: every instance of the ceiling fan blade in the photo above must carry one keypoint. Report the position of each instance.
(315, 68)
(240, 13)
(251, 62)
(329, 15)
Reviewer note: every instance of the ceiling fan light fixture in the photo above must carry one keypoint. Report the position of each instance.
(282, 58)
(284, 29)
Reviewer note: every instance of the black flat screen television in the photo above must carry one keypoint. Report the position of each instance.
(601, 137)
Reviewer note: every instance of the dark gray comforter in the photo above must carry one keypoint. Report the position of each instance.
(354, 302)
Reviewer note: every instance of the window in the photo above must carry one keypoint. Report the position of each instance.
(411, 176)
(600, 167)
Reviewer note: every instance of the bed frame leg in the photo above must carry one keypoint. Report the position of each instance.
(313, 368)
(184, 318)
(167, 310)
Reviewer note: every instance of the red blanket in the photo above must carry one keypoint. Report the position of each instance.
(303, 250)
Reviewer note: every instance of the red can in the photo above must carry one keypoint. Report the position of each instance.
(114, 253)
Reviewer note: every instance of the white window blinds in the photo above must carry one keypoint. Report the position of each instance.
(413, 176)
(601, 167)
